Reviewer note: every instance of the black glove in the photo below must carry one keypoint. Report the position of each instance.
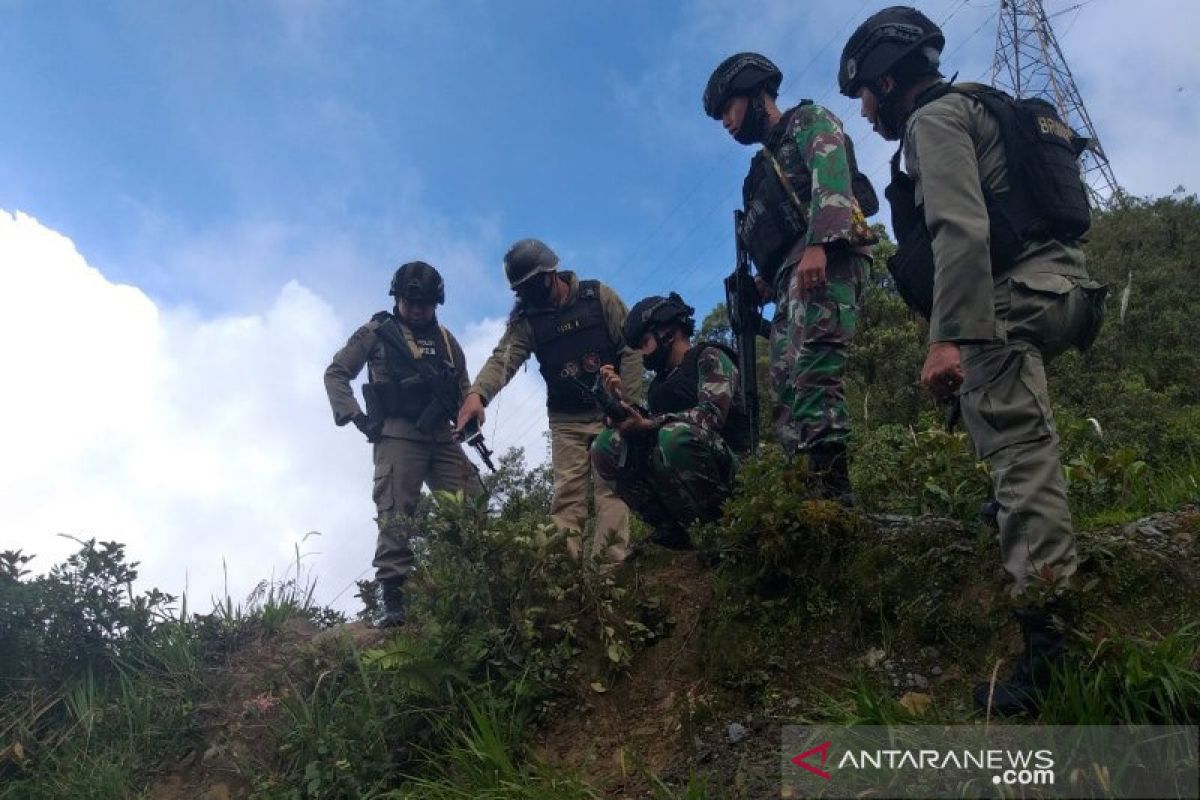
(373, 430)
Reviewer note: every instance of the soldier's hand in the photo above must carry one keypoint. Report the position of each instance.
(765, 293)
(471, 409)
(372, 430)
(943, 372)
(612, 382)
(809, 276)
(634, 422)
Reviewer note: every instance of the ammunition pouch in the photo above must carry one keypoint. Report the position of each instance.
(408, 399)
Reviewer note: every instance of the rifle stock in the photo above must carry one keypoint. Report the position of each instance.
(745, 320)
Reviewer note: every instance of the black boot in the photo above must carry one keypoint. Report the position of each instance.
(672, 536)
(989, 513)
(829, 470)
(392, 590)
(1045, 650)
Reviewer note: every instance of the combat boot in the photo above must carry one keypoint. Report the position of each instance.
(989, 513)
(672, 536)
(392, 590)
(1045, 651)
(829, 472)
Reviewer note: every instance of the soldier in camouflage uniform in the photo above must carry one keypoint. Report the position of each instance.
(806, 231)
(988, 226)
(675, 464)
(410, 396)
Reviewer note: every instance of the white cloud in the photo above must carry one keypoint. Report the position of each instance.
(195, 441)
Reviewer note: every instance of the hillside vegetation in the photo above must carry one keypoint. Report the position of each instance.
(525, 675)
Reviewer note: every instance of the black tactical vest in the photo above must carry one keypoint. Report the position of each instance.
(1046, 197)
(407, 393)
(773, 221)
(571, 344)
(679, 390)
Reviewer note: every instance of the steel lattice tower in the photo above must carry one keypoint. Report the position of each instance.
(1029, 63)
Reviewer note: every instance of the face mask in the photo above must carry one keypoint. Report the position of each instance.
(754, 124)
(534, 292)
(657, 361)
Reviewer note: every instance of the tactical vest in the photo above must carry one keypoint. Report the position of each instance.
(777, 193)
(406, 393)
(571, 344)
(1046, 196)
(679, 390)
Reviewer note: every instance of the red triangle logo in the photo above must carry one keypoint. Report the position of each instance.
(800, 760)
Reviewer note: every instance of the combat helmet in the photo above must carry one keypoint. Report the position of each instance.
(655, 311)
(418, 282)
(742, 73)
(879, 43)
(527, 258)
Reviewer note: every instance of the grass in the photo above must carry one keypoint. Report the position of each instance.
(1160, 488)
(1129, 681)
(484, 760)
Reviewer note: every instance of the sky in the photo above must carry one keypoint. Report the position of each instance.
(201, 201)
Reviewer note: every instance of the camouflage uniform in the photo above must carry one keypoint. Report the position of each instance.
(685, 470)
(810, 335)
(405, 458)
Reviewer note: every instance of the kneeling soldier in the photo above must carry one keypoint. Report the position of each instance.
(418, 375)
(676, 464)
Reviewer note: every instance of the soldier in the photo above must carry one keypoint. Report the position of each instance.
(804, 228)
(676, 464)
(988, 226)
(574, 328)
(417, 375)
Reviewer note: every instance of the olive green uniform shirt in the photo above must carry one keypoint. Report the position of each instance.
(365, 348)
(516, 345)
(952, 149)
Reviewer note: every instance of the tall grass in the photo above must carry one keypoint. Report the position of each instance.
(1128, 681)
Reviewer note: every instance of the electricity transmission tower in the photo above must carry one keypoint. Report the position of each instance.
(1029, 63)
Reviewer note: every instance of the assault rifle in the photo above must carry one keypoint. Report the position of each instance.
(472, 436)
(744, 308)
(444, 400)
(604, 401)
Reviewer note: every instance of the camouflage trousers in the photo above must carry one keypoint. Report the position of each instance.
(681, 474)
(810, 340)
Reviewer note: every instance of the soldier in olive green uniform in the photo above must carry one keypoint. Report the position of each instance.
(573, 326)
(988, 226)
(417, 377)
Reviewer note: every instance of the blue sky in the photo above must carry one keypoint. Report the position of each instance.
(334, 139)
(228, 175)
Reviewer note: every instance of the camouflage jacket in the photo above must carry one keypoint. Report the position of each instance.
(813, 153)
(716, 388)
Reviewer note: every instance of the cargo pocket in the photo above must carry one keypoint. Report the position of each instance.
(1093, 313)
(383, 492)
(1039, 311)
(1003, 403)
